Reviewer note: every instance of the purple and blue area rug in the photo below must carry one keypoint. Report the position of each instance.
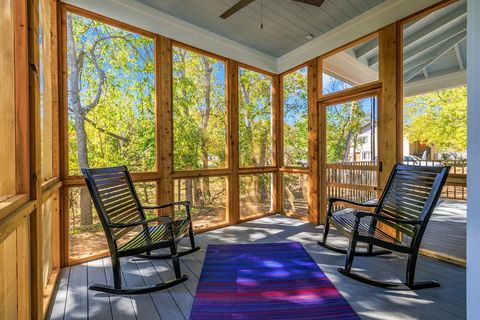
(266, 281)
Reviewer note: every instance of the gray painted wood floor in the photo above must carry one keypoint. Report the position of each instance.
(73, 300)
(447, 229)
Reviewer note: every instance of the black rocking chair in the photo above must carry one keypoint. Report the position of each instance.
(121, 214)
(405, 205)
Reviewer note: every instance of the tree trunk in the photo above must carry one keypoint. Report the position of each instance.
(81, 136)
(204, 128)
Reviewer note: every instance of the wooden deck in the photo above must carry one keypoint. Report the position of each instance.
(73, 300)
(446, 232)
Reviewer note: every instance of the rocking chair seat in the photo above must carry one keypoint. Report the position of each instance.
(366, 230)
(153, 237)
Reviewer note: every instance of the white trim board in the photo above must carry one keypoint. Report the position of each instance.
(447, 81)
(156, 21)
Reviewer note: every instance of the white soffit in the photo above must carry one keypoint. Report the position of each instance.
(384, 14)
(447, 81)
(147, 18)
(348, 69)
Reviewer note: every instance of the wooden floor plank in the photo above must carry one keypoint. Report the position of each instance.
(57, 306)
(143, 304)
(98, 302)
(180, 294)
(121, 306)
(77, 296)
(163, 300)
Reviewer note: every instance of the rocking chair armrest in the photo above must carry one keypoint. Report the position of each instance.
(332, 200)
(178, 203)
(165, 220)
(361, 214)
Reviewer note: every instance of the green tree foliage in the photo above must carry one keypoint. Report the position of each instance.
(199, 118)
(111, 90)
(438, 119)
(255, 119)
(344, 122)
(295, 118)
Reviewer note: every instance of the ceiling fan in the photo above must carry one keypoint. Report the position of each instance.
(243, 3)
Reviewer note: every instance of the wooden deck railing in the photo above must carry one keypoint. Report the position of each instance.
(456, 185)
(357, 181)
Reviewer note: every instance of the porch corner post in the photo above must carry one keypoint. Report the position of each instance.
(473, 150)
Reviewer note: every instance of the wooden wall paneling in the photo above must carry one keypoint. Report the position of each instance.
(23, 270)
(8, 288)
(7, 96)
(22, 172)
(47, 241)
(15, 267)
(163, 49)
(233, 136)
(35, 161)
(314, 209)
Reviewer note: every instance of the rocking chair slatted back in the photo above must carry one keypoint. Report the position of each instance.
(117, 201)
(411, 194)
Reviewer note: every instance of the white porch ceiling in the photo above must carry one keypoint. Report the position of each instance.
(285, 22)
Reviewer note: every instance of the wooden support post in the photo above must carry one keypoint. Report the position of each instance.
(388, 132)
(388, 111)
(164, 125)
(35, 161)
(315, 215)
(277, 141)
(233, 147)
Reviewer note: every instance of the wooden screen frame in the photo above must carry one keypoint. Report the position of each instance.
(348, 95)
(164, 173)
(312, 186)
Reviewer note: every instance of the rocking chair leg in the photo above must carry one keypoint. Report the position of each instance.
(117, 273)
(325, 231)
(191, 236)
(410, 278)
(350, 254)
(370, 248)
(175, 260)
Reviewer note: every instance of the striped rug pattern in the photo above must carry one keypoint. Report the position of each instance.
(266, 281)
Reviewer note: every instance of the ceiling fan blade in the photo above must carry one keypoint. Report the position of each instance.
(236, 7)
(317, 3)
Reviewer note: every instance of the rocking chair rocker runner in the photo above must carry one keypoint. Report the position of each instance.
(121, 214)
(405, 205)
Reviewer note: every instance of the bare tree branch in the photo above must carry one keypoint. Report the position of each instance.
(103, 130)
